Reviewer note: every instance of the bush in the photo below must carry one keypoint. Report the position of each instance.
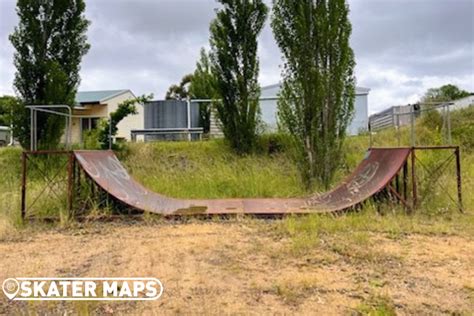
(91, 139)
(432, 119)
(462, 122)
(272, 143)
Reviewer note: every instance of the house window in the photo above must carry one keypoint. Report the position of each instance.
(89, 123)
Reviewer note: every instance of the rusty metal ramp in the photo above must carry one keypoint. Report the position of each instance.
(373, 174)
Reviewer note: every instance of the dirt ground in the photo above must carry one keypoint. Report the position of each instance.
(238, 267)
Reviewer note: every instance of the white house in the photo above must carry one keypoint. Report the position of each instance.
(91, 106)
(463, 102)
(268, 106)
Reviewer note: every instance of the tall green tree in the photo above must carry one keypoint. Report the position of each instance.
(181, 91)
(50, 41)
(448, 92)
(317, 96)
(5, 108)
(203, 86)
(235, 65)
(13, 113)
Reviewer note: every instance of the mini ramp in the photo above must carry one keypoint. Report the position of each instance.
(372, 175)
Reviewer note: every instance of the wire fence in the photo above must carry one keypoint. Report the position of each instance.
(404, 119)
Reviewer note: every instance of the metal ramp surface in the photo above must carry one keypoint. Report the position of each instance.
(372, 175)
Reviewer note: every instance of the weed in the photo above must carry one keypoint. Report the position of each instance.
(377, 306)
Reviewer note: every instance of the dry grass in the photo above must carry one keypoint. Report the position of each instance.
(359, 263)
(250, 267)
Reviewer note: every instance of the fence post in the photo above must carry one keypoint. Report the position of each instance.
(413, 178)
(188, 117)
(448, 123)
(24, 157)
(412, 123)
(458, 176)
(70, 183)
(398, 129)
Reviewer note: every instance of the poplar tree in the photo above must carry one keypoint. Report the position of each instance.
(235, 66)
(203, 86)
(316, 99)
(50, 41)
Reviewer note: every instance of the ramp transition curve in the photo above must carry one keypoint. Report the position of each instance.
(373, 174)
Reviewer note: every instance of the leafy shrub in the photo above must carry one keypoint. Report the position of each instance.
(432, 120)
(91, 139)
(272, 143)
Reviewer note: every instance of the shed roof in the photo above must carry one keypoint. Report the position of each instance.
(97, 96)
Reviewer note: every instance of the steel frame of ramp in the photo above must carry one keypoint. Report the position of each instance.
(377, 173)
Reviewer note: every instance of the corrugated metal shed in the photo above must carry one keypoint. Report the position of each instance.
(170, 114)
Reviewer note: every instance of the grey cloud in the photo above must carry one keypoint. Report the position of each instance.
(156, 20)
(401, 46)
(416, 36)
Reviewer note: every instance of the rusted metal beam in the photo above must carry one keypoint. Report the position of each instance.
(413, 180)
(436, 147)
(70, 183)
(405, 180)
(458, 176)
(399, 197)
(48, 152)
(397, 183)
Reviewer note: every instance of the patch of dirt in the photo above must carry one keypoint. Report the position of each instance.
(216, 268)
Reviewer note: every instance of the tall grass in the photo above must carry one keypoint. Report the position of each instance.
(10, 165)
(210, 169)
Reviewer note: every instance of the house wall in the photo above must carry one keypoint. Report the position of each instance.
(360, 120)
(93, 110)
(269, 111)
(215, 128)
(135, 121)
(103, 110)
(463, 103)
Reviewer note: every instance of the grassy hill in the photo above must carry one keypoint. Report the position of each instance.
(377, 261)
(209, 169)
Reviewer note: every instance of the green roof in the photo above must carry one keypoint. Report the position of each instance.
(97, 96)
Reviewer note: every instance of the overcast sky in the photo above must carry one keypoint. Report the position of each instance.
(402, 47)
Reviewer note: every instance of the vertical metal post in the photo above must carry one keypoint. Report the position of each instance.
(458, 176)
(12, 137)
(24, 157)
(31, 129)
(35, 140)
(70, 183)
(405, 180)
(412, 123)
(36, 130)
(413, 178)
(66, 137)
(398, 129)
(188, 119)
(448, 118)
(70, 128)
(397, 184)
(68, 131)
(370, 135)
(77, 175)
